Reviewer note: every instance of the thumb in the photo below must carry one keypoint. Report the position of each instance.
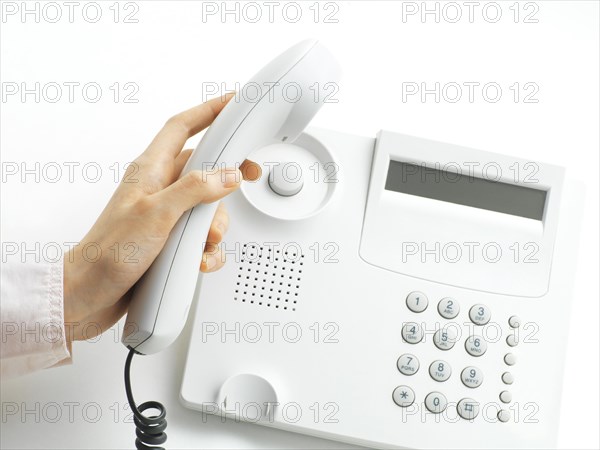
(198, 187)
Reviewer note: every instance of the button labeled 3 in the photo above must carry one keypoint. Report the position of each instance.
(480, 314)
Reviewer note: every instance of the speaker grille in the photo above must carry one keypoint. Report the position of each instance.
(269, 277)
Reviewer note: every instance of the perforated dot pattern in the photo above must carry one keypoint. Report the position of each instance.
(269, 277)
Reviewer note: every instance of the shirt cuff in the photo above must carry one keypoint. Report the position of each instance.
(33, 329)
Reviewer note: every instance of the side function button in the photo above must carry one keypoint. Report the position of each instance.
(436, 402)
(448, 308)
(467, 408)
(412, 333)
(480, 314)
(440, 370)
(403, 396)
(445, 338)
(471, 377)
(417, 301)
(514, 322)
(408, 364)
(475, 345)
(512, 340)
(508, 378)
(503, 415)
(505, 397)
(510, 359)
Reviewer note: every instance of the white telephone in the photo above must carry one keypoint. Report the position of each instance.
(390, 292)
(162, 298)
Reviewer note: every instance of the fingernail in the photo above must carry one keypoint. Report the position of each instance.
(221, 227)
(231, 178)
(211, 261)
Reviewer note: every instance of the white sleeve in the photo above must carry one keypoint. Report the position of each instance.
(32, 316)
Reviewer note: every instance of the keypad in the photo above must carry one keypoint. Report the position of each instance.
(467, 408)
(403, 396)
(436, 402)
(444, 340)
(448, 308)
(412, 333)
(475, 345)
(480, 314)
(440, 370)
(417, 301)
(408, 364)
(472, 377)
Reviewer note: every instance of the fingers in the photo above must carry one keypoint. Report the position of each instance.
(251, 171)
(212, 259)
(170, 140)
(197, 187)
(180, 161)
(219, 225)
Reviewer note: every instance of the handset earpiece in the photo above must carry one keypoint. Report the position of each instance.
(292, 88)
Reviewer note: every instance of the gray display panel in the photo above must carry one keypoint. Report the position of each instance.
(466, 190)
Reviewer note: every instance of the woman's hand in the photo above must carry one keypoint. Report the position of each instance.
(133, 228)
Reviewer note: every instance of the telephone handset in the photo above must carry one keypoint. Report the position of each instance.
(275, 106)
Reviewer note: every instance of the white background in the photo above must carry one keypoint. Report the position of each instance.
(174, 54)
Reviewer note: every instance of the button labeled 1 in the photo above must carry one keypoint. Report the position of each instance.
(417, 302)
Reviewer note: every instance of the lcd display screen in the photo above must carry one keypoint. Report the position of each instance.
(465, 189)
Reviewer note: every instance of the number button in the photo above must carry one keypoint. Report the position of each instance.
(417, 302)
(403, 396)
(448, 308)
(514, 322)
(475, 345)
(408, 364)
(445, 338)
(472, 377)
(480, 314)
(440, 370)
(467, 408)
(510, 359)
(412, 333)
(436, 402)
(512, 340)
